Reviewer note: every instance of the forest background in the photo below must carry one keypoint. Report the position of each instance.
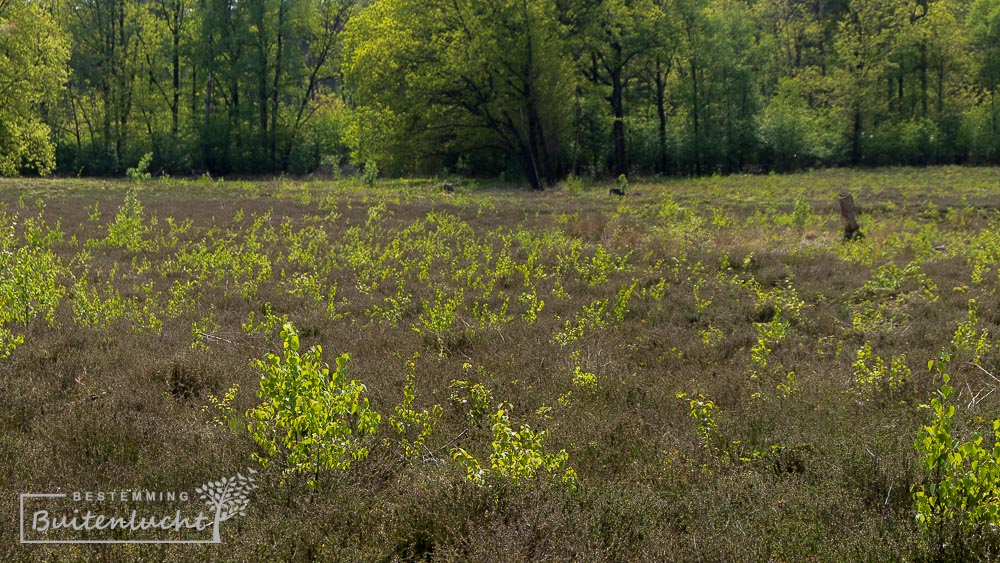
(530, 91)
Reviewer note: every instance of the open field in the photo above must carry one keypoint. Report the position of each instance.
(720, 377)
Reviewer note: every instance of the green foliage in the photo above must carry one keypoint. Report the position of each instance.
(239, 264)
(791, 132)
(592, 318)
(413, 427)
(585, 380)
(883, 301)
(473, 396)
(184, 298)
(497, 78)
(890, 282)
(141, 171)
(89, 309)
(872, 375)
(307, 286)
(597, 270)
(787, 308)
(959, 502)
(517, 455)
(703, 411)
(700, 303)
(710, 336)
(966, 341)
(801, 212)
(30, 274)
(438, 319)
(222, 411)
(769, 334)
(534, 305)
(34, 56)
(622, 302)
(129, 228)
(788, 387)
(984, 254)
(370, 174)
(202, 331)
(505, 89)
(573, 184)
(268, 323)
(622, 183)
(310, 420)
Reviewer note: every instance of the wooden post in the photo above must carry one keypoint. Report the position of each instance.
(851, 229)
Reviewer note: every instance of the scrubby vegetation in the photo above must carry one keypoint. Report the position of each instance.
(701, 369)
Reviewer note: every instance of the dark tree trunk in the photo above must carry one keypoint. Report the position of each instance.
(577, 115)
(262, 94)
(176, 83)
(618, 128)
(851, 229)
(662, 159)
(923, 79)
(275, 87)
(531, 173)
(696, 141)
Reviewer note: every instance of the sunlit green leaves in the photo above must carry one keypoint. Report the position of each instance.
(33, 70)
(311, 420)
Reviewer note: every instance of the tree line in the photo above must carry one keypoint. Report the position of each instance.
(523, 89)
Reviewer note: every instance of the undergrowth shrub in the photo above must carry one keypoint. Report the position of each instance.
(413, 427)
(873, 376)
(140, 172)
(129, 229)
(30, 274)
(969, 343)
(958, 504)
(517, 455)
(311, 420)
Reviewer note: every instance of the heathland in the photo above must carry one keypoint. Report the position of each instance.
(702, 369)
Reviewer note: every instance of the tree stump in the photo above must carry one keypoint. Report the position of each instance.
(851, 229)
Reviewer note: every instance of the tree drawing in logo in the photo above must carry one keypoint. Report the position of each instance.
(229, 497)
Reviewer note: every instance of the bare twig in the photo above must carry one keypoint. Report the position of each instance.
(214, 337)
(976, 400)
(453, 440)
(984, 370)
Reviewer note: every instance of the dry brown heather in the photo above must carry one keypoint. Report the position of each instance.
(110, 394)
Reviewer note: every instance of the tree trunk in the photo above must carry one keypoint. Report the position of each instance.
(923, 79)
(696, 149)
(856, 138)
(618, 127)
(661, 85)
(577, 115)
(275, 88)
(851, 229)
(176, 64)
(531, 170)
(262, 94)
